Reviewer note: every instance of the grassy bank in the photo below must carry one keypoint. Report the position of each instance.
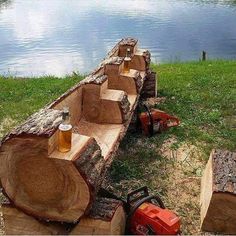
(21, 97)
(201, 94)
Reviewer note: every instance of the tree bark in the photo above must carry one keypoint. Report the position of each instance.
(107, 217)
(149, 86)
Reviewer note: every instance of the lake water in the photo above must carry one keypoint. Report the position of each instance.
(57, 37)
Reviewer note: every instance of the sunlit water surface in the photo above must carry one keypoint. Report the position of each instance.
(61, 36)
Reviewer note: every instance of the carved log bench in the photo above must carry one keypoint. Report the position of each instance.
(51, 185)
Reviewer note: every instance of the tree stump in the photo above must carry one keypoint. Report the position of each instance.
(218, 193)
(56, 186)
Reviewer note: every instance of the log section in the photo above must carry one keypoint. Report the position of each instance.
(218, 193)
(52, 187)
(107, 217)
(150, 86)
(18, 223)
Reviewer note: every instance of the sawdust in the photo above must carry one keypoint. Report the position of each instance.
(183, 186)
(154, 101)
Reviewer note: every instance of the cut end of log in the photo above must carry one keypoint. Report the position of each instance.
(45, 187)
(18, 223)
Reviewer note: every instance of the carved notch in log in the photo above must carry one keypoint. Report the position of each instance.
(218, 193)
(51, 185)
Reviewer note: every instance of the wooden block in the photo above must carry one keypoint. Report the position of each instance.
(129, 82)
(218, 193)
(107, 217)
(111, 101)
(102, 105)
(74, 103)
(113, 67)
(140, 60)
(18, 223)
(127, 43)
(149, 86)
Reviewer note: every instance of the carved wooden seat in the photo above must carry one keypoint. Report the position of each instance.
(51, 185)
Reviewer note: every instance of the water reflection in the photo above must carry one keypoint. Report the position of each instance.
(60, 36)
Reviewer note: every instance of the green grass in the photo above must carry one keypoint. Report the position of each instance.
(19, 98)
(203, 96)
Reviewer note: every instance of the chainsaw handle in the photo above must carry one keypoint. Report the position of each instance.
(133, 196)
(150, 120)
(174, 121)
(137, 205)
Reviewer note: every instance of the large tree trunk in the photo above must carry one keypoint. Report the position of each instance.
(218, 193)
(62, 186)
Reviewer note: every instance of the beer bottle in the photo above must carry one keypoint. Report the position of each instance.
(65, 132)
(127, 61)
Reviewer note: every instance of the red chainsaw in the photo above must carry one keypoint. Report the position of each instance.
(156, 121)
(146, 214)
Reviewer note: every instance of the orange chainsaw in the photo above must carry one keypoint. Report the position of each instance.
(146, 214)
(155, 121)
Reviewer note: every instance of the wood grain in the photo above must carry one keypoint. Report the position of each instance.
(18, 223)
